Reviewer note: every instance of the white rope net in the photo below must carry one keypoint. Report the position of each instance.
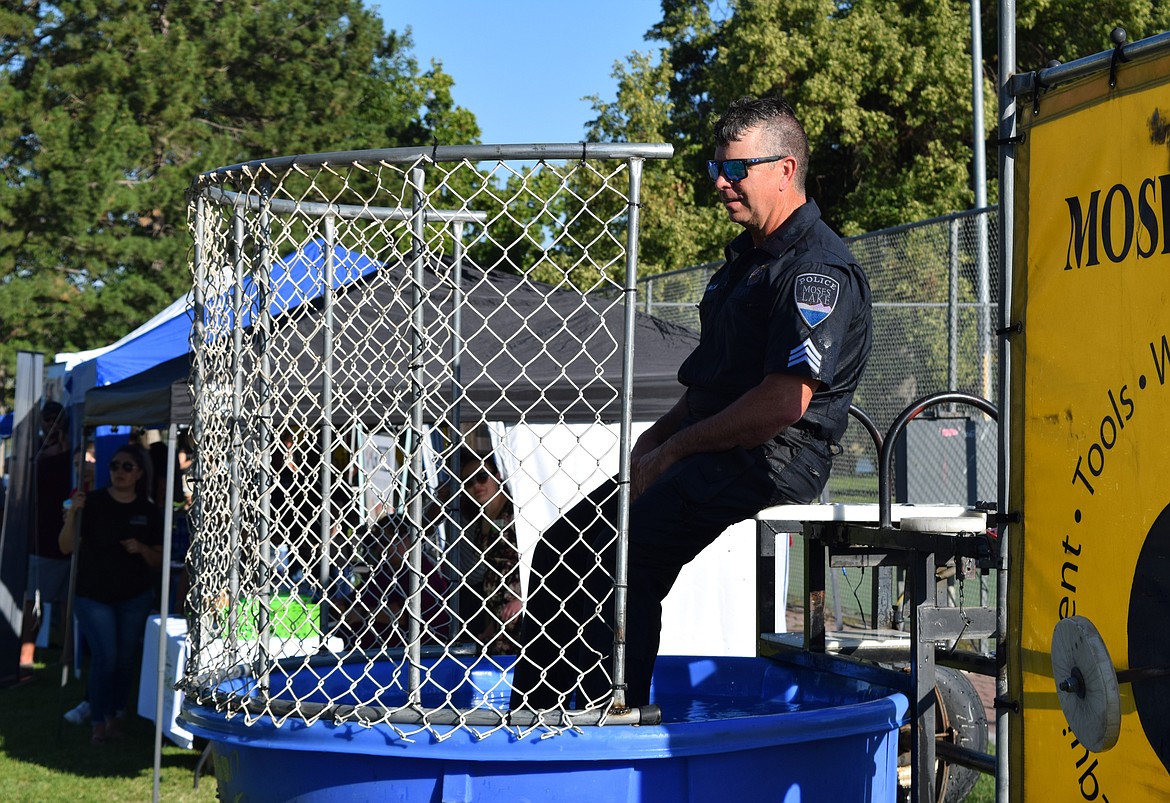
(367, 325)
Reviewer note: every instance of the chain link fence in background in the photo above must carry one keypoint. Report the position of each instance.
(936, 306)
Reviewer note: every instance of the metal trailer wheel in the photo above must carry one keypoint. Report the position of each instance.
(959, 718)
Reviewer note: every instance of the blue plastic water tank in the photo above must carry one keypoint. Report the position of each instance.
(733, 729)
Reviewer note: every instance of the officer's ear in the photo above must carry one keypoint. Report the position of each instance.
(787, 167)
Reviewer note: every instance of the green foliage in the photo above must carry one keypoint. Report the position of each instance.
(882, 86)
(679, 226)
(109, 109)
(1066, 29)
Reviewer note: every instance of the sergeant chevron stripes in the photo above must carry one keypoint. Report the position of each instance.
(805, 352)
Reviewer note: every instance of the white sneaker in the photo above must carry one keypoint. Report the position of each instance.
(79, 714)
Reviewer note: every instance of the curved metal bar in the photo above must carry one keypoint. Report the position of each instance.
(870, 427)
(904, 418)
(258, 202)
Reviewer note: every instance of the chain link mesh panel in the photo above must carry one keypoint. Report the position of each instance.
(360, 321)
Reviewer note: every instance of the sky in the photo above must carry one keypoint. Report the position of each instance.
(522, 67)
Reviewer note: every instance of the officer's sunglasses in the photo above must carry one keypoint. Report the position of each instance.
(736, 169)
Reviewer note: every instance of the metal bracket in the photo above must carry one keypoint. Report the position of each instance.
(1118, 37)
(1010, 705)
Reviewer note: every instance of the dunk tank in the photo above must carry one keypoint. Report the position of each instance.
(353, 606)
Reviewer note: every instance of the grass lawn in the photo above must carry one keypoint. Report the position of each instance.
(44, 758)
(984, 791)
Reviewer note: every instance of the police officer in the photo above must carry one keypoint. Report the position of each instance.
(786, 331)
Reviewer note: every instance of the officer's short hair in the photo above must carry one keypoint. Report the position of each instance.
(783, 132)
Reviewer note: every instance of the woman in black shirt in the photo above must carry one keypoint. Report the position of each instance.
(119, 557)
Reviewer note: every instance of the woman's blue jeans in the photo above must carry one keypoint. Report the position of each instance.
(112, 631)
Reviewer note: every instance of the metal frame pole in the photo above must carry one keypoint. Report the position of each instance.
(237, 447)
(621, 569)
(328, 274)
(979, 169)
(1007, 133)
(417, 469)
(262, 317)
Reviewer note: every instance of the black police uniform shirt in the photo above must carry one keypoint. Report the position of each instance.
(106, 572)
(797, 304)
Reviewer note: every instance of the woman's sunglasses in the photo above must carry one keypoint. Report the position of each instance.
(126, 466)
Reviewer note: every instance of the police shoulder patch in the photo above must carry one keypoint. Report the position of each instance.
(816, 296)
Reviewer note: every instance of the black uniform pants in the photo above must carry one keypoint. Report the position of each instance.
(568, 631)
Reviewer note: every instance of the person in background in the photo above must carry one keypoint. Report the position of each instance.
(181, 534)
(180, 504)
(79, 714)
(378, 615)
(48, 567)
(487, 557)
(119, 546)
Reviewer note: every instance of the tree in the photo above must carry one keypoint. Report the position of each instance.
(679, 226)
(108, 110)
(882, 86)
(1066, 30)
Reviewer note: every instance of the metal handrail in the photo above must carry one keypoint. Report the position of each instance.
(868, 423)
(905, 417)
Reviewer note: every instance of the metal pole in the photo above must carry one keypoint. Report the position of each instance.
(953, 308)
(237, 447)
(262, 282)
(198, 339)
(417, 476)
(621, 569)
(454, 523)
(328, 273)
(1007, 198)
(979, 168)
(457, 329)
(164, 604)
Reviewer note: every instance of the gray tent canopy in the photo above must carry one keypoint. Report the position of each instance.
(157, 397)
(529, 352)
(525, 351)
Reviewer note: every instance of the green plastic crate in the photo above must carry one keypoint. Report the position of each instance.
(290, 617)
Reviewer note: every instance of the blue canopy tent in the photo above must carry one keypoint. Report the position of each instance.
(295, 279)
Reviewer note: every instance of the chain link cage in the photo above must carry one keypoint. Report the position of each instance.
(368, 327)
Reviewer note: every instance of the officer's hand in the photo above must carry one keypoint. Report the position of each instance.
(642, 447)
(646, 469)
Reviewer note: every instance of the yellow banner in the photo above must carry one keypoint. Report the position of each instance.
(1090, 441)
